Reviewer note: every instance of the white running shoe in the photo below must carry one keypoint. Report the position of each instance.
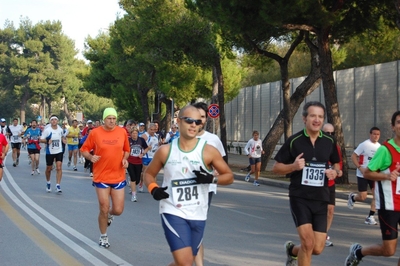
(48, 187)
(134, 199)
(58, 189)
(328, 243)
(110, 219)
(37, 171)
(290, 260)
(350, 202)
(352, 259)
(103, 242)
(370, 220)
(33, 172)
(255, 183)
(247, 178)
(140, 187)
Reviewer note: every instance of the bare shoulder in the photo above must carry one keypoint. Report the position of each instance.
(164, 149)
(210, 149)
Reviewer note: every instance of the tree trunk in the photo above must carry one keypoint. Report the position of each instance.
(49, 107)
(287, 119)
(67, 112)
(166, 121)
(283, 65)
(305, 88)
(273, 136)
(144, 103)
(42, 108)
(24, 100)
(221, 102)
(331, 102)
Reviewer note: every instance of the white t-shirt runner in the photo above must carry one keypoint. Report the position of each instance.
(188, 199)
(16, 132)
(55, 146)
(365, 151)
(214, 141)
(153, 142)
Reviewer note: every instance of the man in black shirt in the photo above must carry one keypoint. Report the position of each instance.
(306, 156)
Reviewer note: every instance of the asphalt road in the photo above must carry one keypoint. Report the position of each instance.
(247, 225)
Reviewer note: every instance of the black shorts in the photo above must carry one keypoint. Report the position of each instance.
(332, 195)
(16, 145)
(363, 184)
(33, 151)
(51, 157)
(253, 161)
(388, 221)
(305, 211)
(134, 171)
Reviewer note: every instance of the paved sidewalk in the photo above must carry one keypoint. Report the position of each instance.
(242, 161)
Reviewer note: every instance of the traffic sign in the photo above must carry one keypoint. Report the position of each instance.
(213, 110)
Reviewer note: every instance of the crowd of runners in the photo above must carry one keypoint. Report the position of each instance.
(193, 164)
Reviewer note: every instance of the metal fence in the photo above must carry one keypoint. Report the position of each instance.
(367, 97)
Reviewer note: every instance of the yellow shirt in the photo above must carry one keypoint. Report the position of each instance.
(72, 137)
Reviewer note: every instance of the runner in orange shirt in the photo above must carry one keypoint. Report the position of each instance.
(111, 150)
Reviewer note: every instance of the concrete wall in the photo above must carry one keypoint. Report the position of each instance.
(367, 97)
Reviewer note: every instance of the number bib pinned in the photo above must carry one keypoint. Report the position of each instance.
(186, 193)
(313, 174)
(135, 150)
(55, 144)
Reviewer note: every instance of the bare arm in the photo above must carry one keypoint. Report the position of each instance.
(354, 159)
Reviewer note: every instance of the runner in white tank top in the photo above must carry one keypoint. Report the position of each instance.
(184, 194)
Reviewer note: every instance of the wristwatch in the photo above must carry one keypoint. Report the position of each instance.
(215, 180)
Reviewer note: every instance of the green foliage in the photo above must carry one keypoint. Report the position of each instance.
(372, 47)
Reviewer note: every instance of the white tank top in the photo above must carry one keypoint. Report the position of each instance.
(187, 199)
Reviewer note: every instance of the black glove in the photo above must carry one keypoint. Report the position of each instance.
(203, 177)
(159, 193)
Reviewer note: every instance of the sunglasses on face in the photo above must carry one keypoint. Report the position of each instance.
(190, 120)
(330, 133)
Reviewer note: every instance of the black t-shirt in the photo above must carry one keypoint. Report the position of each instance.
(316, 158)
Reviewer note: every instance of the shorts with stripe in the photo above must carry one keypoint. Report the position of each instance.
(388, 222)
(181, 233)
(119, 185)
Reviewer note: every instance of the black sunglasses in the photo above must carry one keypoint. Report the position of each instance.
(190, 120)
(330, 133)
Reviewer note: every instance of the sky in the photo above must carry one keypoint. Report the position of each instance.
(79, 18)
